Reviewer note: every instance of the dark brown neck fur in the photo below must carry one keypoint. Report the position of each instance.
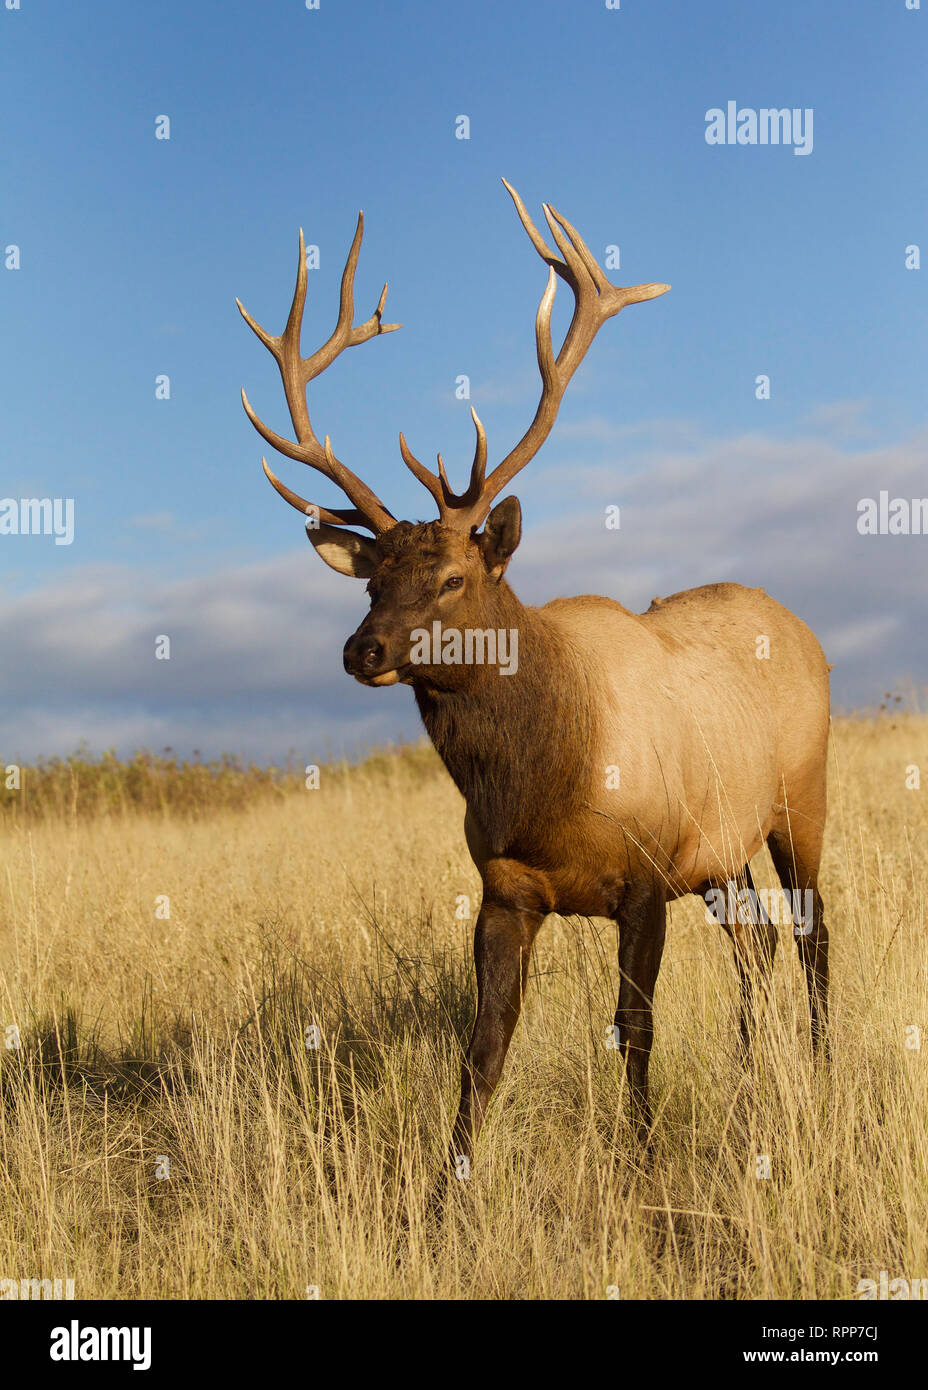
(518, 747)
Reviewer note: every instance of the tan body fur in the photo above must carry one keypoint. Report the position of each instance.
(713, 744)
(714, 747)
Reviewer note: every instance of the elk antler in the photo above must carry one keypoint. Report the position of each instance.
(596, 299)
(296, 372)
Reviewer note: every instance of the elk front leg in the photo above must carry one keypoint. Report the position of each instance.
(502, 950)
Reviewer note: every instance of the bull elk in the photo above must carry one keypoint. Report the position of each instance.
(716, 750)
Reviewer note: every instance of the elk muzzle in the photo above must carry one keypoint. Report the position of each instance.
(365, 658)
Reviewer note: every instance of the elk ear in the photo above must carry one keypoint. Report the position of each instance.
(346, 551)
(501, 535)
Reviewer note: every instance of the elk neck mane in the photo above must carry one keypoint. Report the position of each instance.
(516, 746)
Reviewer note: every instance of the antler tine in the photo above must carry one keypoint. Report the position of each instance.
(346, 333)
(537, 240)
(478, 468)
(622, 295)
(575, 251)
(451, 505)
(633, 295)
(455, 501)
(544, 349)
(425, 475)
(296, 372)
(341, 516)
(596, 299)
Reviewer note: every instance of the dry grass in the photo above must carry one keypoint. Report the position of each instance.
(183, 1037)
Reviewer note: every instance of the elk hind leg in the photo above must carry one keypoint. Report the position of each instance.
(796, 854)
(642, 925)
(754, 940)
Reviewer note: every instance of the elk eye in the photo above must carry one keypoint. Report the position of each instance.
(453, 582)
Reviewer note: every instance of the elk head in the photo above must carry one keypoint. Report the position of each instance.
(449, 570)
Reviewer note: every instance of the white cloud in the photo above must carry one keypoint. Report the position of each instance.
(256, 649)
(859, 638)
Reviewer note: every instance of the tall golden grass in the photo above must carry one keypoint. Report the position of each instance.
(145, 1037)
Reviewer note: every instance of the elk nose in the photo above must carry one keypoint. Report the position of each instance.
(362, 655)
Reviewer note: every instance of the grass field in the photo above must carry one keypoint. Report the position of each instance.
(144, 1037)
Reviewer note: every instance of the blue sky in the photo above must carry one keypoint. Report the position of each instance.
(133, 249)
